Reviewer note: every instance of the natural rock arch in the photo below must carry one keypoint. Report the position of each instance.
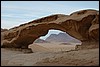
(82, 25)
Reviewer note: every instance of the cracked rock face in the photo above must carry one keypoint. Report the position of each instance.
(82, 25)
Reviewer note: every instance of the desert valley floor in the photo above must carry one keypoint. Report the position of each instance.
(50, 54)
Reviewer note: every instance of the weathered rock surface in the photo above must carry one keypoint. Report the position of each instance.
(82, 25)
(2, 30)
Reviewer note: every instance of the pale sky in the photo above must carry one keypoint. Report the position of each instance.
(14, 13)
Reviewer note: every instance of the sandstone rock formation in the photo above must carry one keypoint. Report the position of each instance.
(2, 30)
(2, 34)
(82, 25)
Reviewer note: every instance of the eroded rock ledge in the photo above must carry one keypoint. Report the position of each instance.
(82, 25)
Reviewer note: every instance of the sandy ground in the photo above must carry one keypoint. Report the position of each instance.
(43, 56)
(52, 47)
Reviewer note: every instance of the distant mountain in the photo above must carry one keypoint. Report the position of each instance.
(40, 41)
(61, 37)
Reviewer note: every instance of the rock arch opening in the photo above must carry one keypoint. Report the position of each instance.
(56, 36)
(54, 40)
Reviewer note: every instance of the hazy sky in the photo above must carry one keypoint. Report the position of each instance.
(14, 13)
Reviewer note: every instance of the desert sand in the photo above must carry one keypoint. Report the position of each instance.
(52, 47)
(46, 55)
